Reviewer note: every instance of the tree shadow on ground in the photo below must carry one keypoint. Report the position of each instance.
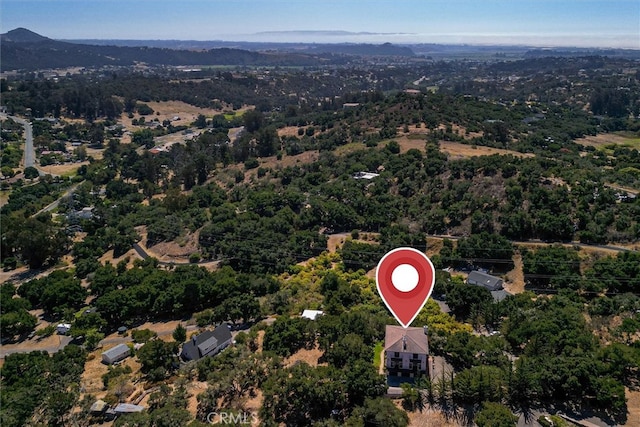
(525, 411)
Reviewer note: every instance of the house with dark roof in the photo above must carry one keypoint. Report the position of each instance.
(208, 343)
(406, 352)
(491, 283)
(487, 281)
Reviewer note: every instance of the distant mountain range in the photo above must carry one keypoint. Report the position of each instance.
(23, 49)
(26, 50)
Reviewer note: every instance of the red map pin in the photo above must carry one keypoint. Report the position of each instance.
(405, 278)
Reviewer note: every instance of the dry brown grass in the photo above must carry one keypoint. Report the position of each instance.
(308, 356)
(194, 388)
(434, 246)
(187, 113)
(260, 341)
(633, 407)
(180, 249)
(91, 379)
(254, 404)
(336, 241)
(95, 153)
(4, 197)
(63, 169)
(288, 131)
(176, 251)
(430, 418)
(273, 162)
(12, 274)
(456, 150)
(35, 344)
(108, 257)
(163, 329)
(515, 278)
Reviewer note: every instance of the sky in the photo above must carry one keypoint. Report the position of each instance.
(579, 23)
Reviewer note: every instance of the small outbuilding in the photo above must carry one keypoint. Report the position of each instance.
(311, 314)
(99, 407)
(116, 354)
(365, 175)
(63, 328)
(128, 408)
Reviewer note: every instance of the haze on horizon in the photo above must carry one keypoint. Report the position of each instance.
(545, 23)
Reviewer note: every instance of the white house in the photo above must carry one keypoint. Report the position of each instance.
(406, 352)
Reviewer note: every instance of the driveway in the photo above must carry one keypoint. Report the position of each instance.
(51, 344)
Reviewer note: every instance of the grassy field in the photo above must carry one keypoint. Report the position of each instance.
(608, 142)
(230, 116)
(377, 354)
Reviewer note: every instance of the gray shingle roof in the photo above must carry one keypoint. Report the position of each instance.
(485, 280)
(206, 343)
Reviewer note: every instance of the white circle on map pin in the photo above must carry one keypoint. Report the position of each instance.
(405, 277)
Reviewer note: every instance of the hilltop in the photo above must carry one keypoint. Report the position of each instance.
(25, 50)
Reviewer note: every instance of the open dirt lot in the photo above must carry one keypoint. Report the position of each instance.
(187, 113)
(310, 357)
(63, 169)
(273, 162)
(289, 131)
(336, 241)
(633, 408)
(456, 150)
(130, 255)
(172, 251)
